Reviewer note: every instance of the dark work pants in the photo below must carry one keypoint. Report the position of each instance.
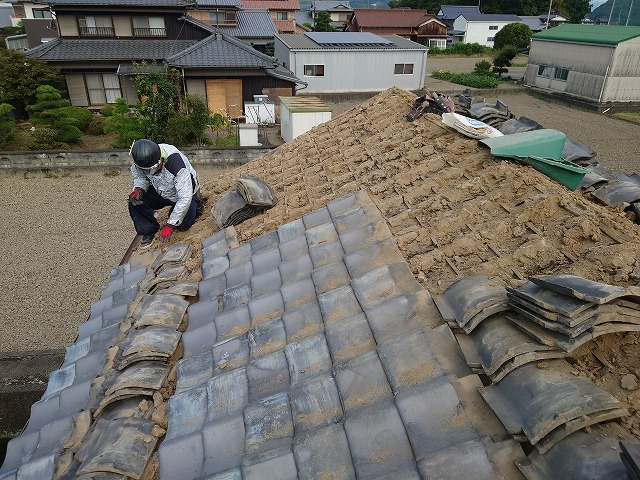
(143, 216)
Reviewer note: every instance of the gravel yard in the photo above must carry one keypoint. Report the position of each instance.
(62, 235)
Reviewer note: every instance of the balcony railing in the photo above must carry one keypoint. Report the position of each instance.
(97, 32)
(150, 32)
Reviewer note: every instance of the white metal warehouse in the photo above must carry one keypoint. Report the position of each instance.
(596, 63)
(352, 61)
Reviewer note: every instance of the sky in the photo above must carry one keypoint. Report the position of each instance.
(596, 3)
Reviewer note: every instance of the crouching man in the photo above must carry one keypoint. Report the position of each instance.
(162, 177)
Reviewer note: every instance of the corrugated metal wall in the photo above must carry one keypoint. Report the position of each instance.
(624, 82)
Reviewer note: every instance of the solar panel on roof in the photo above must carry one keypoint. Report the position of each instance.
(347, 38)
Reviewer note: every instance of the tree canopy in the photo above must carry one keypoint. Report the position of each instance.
(20, 76)
(516, 34)
(576, 10)
(323, 23)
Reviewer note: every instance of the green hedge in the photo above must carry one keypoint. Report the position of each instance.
(468, 79)
(466, 49)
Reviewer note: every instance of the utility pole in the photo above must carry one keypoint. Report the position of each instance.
(629, 14)
(611, 12)
(546, 26)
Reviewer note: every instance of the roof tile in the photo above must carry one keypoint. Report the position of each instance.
(223, 444)
(315, 404)
(189, 449)
(334, 463)
(269, 425)
(267, 338)
(362, 382)
(268, 375)
(378, 433)
(232, 323)
(199, 339)
(302, 321)
(187, 412)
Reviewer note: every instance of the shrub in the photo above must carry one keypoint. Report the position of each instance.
(80, 117)
(503, 59)
(45, 139)
(68, 133)
(7, 124)
(482, 68)
(516, 34)
(126, 124)
(179, 130)
(108, 110)
(96, 127)
(468, 79)
(463, 49)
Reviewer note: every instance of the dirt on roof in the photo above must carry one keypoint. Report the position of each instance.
(455, 211)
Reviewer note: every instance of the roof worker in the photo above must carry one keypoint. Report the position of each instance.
(162, 177)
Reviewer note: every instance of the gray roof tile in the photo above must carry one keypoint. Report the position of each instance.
(372, 256)
(290, 231)
(355, 239)
(264, 243)
(323, 233)
(224, 441)
(211, 288)
(294, 248)
(240, 254)
(109, 50)
(335, 462)
(233, 297)
(433, 417)
(315, 404)
(298, 268)
(228, 394)
(202, 312)
(349, 338)
(332, 276)
(282, 467)
(378, 433)
(308, 358)
(362, 382)
(43, 467)
(269, 424)
(187, 412)
(268, 375)
(20, 449)
(239, 274)
(194, 370)
(229, 354)
(214, 267)
(298, 293)
(326, 253)
(268, 337)
(409, 361)
(266, 307)
(400, 315)
(232, 323)
(268, 282)
(466, 460)
(199, 340)
(266, 260)
(303, 321)
(189, 449)
(316, 218)
(338, 304)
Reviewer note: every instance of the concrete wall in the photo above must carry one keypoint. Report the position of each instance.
(106, 159)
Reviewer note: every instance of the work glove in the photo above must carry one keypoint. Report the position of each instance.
(166, 232)
(135, 197)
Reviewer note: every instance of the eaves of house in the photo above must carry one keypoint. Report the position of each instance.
(306, 342)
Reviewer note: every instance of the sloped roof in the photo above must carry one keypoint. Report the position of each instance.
(250, 23)
(314, 345)
(272, 4)
(330, 6)
(220, 50)
(219, 3)
(376, 17)
(490, 17)
(451, 12)
(124, 3)
(597, 34)
(81, 49)
(348, 40)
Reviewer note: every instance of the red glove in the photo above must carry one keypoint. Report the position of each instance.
(166, 232)
(136, 196)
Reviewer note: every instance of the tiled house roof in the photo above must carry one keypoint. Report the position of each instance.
(370, 17)
(272, 4)
(84, 49)
(313, 340)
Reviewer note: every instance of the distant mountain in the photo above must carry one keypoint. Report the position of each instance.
(623, 10)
